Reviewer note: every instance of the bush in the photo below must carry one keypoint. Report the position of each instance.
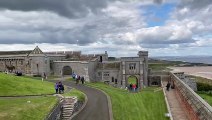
(203, 87)
(19, 74)
(36, 75)
(205, 92)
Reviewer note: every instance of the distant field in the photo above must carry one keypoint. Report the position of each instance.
(15, 85)
(22, 109)
(145, 105)
(204, 71)
(162, 65)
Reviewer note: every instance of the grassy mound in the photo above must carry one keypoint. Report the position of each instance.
(35, 108)
(14, 85)
(74, 92)
(145, 105)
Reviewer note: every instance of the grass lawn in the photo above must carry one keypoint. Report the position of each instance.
(40, 78)
(206, 97)
(145, 105)
(70, 79)
(16, 85)
(20, 109)
(74, 92)
(160, 66)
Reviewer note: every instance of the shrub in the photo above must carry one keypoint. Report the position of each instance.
(19, 74)
(203, 87)
(36, 75)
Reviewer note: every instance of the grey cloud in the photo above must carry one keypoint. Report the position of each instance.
(67, 8)
(158, 1)
(195, 4)
(154, 46)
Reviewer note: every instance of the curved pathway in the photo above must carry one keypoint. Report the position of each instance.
(97, 105)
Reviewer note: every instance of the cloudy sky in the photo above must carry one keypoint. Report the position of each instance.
(121, 27)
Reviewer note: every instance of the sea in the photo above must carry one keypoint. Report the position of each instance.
(191, 59)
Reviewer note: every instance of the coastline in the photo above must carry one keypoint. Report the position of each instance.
(200, 71)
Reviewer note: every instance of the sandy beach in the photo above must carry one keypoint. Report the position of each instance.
(205, 71)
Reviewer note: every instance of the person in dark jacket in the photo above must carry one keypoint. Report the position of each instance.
(56, 87)
(168, 86)
(82, 80)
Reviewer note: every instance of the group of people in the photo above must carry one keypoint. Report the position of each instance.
(59, 87)
(78, 78)
(132, 87)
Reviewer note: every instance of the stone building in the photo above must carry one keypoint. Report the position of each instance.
(94, 67)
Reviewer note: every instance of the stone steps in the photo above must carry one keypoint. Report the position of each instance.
(68, 108)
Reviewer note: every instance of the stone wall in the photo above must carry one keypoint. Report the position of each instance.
(39, 65)
(78, 67)
(196, 106)
(92, 66)
(187, 80)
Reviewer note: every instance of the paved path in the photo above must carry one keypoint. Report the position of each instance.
(177, 110)
(97, 105)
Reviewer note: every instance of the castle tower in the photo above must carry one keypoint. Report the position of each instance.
(143, 55)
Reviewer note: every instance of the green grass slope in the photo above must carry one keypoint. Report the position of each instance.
(20, 109)
(74, 92)
(14, 85)
(145, 105)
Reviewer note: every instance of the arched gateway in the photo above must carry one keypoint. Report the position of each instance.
(132, 80)
(67, 70)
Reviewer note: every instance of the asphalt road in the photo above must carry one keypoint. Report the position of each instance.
(97, 105)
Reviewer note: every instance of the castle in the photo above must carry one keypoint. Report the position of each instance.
(94, 67)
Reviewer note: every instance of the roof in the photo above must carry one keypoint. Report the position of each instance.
(26, 52)
(37, 50)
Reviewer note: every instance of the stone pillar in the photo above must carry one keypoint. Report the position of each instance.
(123, 75)
(141, 79)
(144, 56)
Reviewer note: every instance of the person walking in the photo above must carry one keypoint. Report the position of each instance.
(131, 86)
(82, 80)
(168, 86)
(134, 87)
(60, 87)
(56, 87)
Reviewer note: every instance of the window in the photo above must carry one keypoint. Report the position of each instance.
(106, 74)
(132, 66)
(116, 81)
(112, 79)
